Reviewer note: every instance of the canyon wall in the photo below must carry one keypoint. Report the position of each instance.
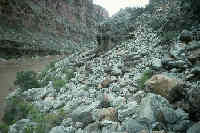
(48, 24)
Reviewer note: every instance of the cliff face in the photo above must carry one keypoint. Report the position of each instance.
(48, 24)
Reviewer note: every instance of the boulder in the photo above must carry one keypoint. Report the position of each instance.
(157, 110)
(105, 83)
(93, 128)
(58, 129)
(195, 128)
(110, 127)
(109, 114)
(164, 86)
(127, 110)
(186, 36)
(84, 113)
(194, 50)
(133, 126)
(194, 102)
(150, 107)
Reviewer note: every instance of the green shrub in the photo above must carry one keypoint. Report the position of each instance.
(4, 128)
(45, 121)
(58, 83)
(26, 80)
(145, 76)
(16, 109)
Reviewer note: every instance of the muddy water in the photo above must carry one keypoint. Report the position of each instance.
(8, 70)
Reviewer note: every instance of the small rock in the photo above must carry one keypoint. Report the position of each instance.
(105, 101)
(156, 64)
(105, 83)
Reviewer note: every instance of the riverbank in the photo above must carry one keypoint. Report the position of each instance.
(9, 68)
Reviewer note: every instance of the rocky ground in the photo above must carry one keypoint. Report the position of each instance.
(105, 93)
(141, 85)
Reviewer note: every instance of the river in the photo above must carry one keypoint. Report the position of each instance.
(9, 68)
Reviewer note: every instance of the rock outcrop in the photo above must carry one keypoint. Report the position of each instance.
(47, 25)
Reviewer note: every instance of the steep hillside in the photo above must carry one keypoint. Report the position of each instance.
(145, 82)
(47, 25)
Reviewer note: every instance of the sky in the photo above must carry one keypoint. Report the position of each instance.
(113, 6)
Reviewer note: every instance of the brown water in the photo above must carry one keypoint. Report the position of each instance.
(8, 70)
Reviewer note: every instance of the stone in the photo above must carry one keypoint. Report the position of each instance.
(109, 114)
(127, 110)
(118, 102)
(162, 85)
(105, 101)
(196, 70)
(84, 113)
(194, 102)
(58, 129)
(116, 71)
(133, 126)
(110, 127)
(150, 107)
(156, 109)
(93, 128)
(156, 64)
(195, 128)
(145, 131)
(186, 36)
(20, 126)
(105, 83)
(193, 51)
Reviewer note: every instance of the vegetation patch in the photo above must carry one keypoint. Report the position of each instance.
(4, 128)
(145, 76)
(16, 109)
(27, 80)
(45, 121)
(59, 83)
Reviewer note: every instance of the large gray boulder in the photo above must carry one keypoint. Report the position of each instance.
(195, 128)
(84, 113)
(127, 110)
(158, 111)
(186, 36)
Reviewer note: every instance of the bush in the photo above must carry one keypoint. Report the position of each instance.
(45, 121)
(4, 128)
(145, 76)
(16, 109)
(58, 83)
(27, 80)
